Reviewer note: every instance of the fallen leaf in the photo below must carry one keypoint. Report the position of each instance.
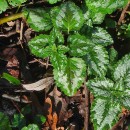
(55, 120)
(39, 85)
(48, 102)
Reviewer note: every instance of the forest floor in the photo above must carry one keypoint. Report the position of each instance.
(43, 97)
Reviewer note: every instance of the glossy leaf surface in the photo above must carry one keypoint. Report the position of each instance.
(39, 45)
(97, 61)
(105, 7)
(122, 70)
(57, 36)
(99, 8)
(70, 74)
(101, 37)
(79, 45)
(104, 114)
(113, 54)
(109, 97)
(38, 19)
(67, 17)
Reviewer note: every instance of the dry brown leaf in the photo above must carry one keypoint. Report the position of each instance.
(13, 66)
(49, 115)
(39, 85)
(60, 128)
(55, 120)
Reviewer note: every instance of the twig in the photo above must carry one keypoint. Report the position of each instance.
(38, 60)
(87, 102)
(8, 34)
(17, 26)
(122, 17)
(115, 127)
(16, 106)
(21, 31)
(17, 99)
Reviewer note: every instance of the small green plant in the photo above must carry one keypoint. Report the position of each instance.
(4, 4)
(78, 48)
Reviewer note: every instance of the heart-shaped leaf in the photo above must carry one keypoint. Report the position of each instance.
(67, 17)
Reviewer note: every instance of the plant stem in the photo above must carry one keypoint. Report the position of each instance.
(10, 18)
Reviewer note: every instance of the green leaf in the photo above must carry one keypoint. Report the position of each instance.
(121, 75)
(57, 36)
(106, 7)
(53, 1)
(97, 61)
(102, 88)
(3, 6)
(30, 127)
(67, 17)
(101, 37)
(110, 23)
(96, 18)
(11, 79)
(109, 98)
(113, 55)
(122, 92)
(104, 114)
(39, 119)
(122, 70)
(39, 45)
(38, 19)
(16, 2)
(4, 122)
(79, 45)
(99, 8)
(69, 74)
(18, 121)
(26, 110)
(58, 59)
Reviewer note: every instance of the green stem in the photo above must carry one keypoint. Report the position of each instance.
(10, 18)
